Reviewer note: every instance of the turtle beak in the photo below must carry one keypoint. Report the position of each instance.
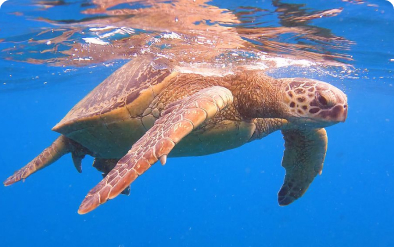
(339, 112)
(335, 115)
(343, 113)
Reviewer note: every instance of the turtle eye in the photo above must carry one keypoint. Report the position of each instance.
(325, 99)
(322, 100)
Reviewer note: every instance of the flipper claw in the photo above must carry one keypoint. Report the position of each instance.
(163, 159)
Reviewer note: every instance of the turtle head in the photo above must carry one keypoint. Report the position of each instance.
(313, 103)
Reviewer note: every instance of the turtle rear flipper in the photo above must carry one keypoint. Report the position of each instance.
(175, 123)
(303, 159)
(61, 146)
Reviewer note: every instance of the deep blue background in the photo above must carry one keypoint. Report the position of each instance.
(226, 199)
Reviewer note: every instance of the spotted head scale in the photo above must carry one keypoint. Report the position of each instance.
(314, 103)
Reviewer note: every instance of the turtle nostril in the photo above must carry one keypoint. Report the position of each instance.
(344, 113)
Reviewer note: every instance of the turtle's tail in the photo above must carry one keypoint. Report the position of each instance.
(61, 146)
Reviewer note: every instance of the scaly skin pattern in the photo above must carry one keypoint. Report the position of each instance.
(47, 157)
(305, 150)
(148, 110)
(178, 121)
(61, 146)
(307, 99)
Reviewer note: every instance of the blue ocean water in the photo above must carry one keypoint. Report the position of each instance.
(225, 199)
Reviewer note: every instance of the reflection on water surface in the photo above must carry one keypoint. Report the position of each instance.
(186, 31)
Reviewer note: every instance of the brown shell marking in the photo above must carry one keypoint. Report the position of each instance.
(157, 142)
(121, 88)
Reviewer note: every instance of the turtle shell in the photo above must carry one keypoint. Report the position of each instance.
(111, 117)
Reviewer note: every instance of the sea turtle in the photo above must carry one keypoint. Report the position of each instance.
(150, 109)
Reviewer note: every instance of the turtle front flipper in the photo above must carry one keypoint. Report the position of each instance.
(105, 166)
(177, 121)
(303, 159)
(61, 146)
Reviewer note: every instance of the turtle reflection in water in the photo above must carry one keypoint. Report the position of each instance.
(148, 110)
